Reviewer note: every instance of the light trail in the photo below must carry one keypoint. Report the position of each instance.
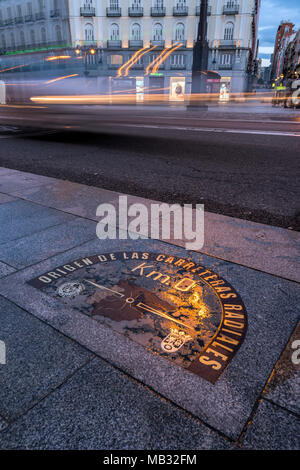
(136, 59)
(120, 70)
(61, 78)
(158, 64)
(13, 68)
(156, 60)
(58, 57)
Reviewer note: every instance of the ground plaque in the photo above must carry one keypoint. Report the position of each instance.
(172, 306)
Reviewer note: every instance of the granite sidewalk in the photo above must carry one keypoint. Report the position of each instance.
(71, 381)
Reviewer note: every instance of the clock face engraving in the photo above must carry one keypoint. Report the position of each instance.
(173, 307)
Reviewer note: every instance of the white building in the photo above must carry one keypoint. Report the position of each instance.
(117, 29)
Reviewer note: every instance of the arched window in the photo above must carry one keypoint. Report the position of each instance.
(89, 32)
(114, 32)
(32, 36)
(157, 32)
(228, 31)
(136, 32)
(22, 38)
(58, 34)
(12, 40)
(43, 35)
(179, 32)
(3, 41)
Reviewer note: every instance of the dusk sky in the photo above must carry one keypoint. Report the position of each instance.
(271, 14)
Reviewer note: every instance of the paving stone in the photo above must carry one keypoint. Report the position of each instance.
(5, 270)
(100, 408)
(283, 387)
(3, 424)
(14, 182)
(39, 246)
(5, 198)
(70, 197)
(38, 359)
(21, 218)
(273, 429)
(271, 303)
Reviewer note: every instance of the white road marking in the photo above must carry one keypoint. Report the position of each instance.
(213, 129)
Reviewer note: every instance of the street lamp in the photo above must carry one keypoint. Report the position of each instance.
(200, 53)
(86, 51)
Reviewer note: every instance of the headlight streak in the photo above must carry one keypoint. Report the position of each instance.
(136, 59)
(158, 64)
(156, 60)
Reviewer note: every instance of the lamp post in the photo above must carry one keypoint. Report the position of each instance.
(86, 51)
(200, 53)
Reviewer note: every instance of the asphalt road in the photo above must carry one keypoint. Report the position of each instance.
(244, 165)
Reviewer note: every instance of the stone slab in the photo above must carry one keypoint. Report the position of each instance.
(5, 270)
(271, 303)
(73, 198)
(283, 387)
(5, 198)
(14, 182)
(273, 429)
(100, 408)
(36, 247)
(21, 218)
(3, 424)
(38, 359)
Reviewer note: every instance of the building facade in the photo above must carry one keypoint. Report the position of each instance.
(149, 41)
(284, 31)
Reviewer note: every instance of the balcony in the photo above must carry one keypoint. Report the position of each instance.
(8, 22)
(54, 13)
(179, 41)
(225, 66)
(227, 44)
(177, 66)
(113, 11)
(180, 10)
(135, 43)
(19, 20)
(87, 10)
(114, 44)
(158, 11)
(158, 43)
(198, 10)
(135, 11)
(231, 9)
(87, 43)
(40, 16)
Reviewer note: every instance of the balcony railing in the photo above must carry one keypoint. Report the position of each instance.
(87, 43)
(114, 44)
(40, 16)
(158, 43)
(158, 11)
(113, 11)
(231, 9)
(54, 13)
(177, 66)
(198, 7)
(8, 21)
(135, 11)
(19, 19)
(227, 43)
(225, 66)
(135, 43)
(86, 10)
(180, 10)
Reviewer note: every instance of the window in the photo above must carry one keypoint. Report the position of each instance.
(58, 34)
(228, 31)
(136, 32)
(3, 41)
(89, 32)
(179, 32)
(157, 32)
(177, 59)
(12, 40)
(114, 4)
(22, 38)
(114, 59)
(32, 37)
(226, 59)
(43, 35)
(136, 4)
(158, 4)
(114, 32)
